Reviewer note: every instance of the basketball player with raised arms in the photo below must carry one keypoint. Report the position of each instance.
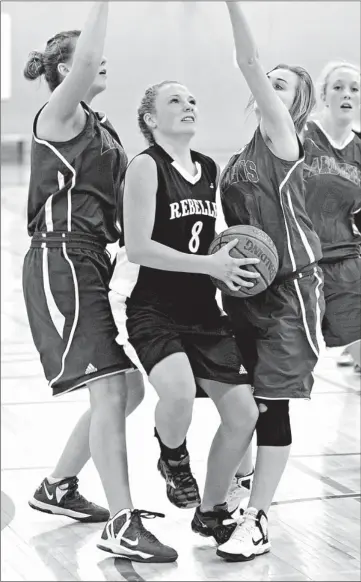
(333, 199)
(262, 186)
(173, 320)
(77, 162)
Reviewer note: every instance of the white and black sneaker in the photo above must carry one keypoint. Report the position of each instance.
(63, 498)
(239, 490)
(126, 536)
(249, 539)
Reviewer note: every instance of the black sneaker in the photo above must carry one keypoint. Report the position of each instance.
(182, 488)
(126, 536)
(63, 498)
(218, 523)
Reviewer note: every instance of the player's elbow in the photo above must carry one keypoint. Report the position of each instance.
(135, 253)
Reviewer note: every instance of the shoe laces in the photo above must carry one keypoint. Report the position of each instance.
(182, 474)
(138, 514)
(246, 525)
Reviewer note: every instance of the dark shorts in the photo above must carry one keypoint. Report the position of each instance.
(211, 348)
(342, 289)
(279, 334)
(66, 295)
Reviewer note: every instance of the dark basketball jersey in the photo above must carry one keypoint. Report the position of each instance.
(185, 219)
(333, 194)
(74, 185)
(261, 190)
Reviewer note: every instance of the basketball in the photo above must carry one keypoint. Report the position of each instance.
(252, 243)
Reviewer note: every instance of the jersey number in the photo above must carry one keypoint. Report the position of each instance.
(194, 241)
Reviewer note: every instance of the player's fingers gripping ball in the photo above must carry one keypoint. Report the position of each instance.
(252, 243)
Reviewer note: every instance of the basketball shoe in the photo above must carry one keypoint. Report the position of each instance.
(63, 498)
(182, 488)
(218, 523)
(249, 539)
(239, 490)
(126, 536)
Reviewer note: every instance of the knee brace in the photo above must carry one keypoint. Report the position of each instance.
(273, 426)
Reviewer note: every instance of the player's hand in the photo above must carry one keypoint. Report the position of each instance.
(229, 270)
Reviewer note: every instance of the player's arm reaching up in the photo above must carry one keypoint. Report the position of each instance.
(276, 122)
(139, 213)
(63, 110)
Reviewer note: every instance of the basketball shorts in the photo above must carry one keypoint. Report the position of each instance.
(342, 288)
(211, 348)
(65, 285)
(279, 334)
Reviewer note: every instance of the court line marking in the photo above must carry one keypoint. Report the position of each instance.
(323, 478)
(356, 496)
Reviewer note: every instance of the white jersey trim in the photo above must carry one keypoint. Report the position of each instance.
(186, 175)
(336, 146)
(66, 163)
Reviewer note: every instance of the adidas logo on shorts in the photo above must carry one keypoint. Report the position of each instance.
(91, 369)
(242, 370)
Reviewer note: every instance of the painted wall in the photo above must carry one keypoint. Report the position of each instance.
(186, 41)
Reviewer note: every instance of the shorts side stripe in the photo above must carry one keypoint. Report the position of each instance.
(306, 244)
(76, 317)
(57, 317)
(319, 334)
(304, 318)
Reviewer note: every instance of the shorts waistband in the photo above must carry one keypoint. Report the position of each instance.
(77, 240)
(297, 274)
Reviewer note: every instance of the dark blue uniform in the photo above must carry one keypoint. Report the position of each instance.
(71, 217)
(279, 329)
(169, 312)
(333, 202)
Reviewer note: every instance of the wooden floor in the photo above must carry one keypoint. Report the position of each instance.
(314, 522)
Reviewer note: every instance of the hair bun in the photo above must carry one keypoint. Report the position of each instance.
(34, 67)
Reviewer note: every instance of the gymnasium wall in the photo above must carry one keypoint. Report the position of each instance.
(186, 41)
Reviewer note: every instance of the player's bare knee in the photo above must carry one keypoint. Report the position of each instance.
(273, 426)
(241, 423)
(109, 393)
(177, 391)
(135, 388)
(182, 403)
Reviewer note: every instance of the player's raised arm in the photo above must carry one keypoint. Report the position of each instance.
(78, 73)
(275, 117)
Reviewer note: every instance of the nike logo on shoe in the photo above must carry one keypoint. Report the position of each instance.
(131, 542)
(257, 543)
(60, 493)
(49, 496)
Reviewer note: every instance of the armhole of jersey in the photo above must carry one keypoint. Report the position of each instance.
(36, 120)
(146, 153)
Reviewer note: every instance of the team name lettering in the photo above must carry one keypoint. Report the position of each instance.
(257, 252)
(328, 165)
(241, 171)
(191, 206)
